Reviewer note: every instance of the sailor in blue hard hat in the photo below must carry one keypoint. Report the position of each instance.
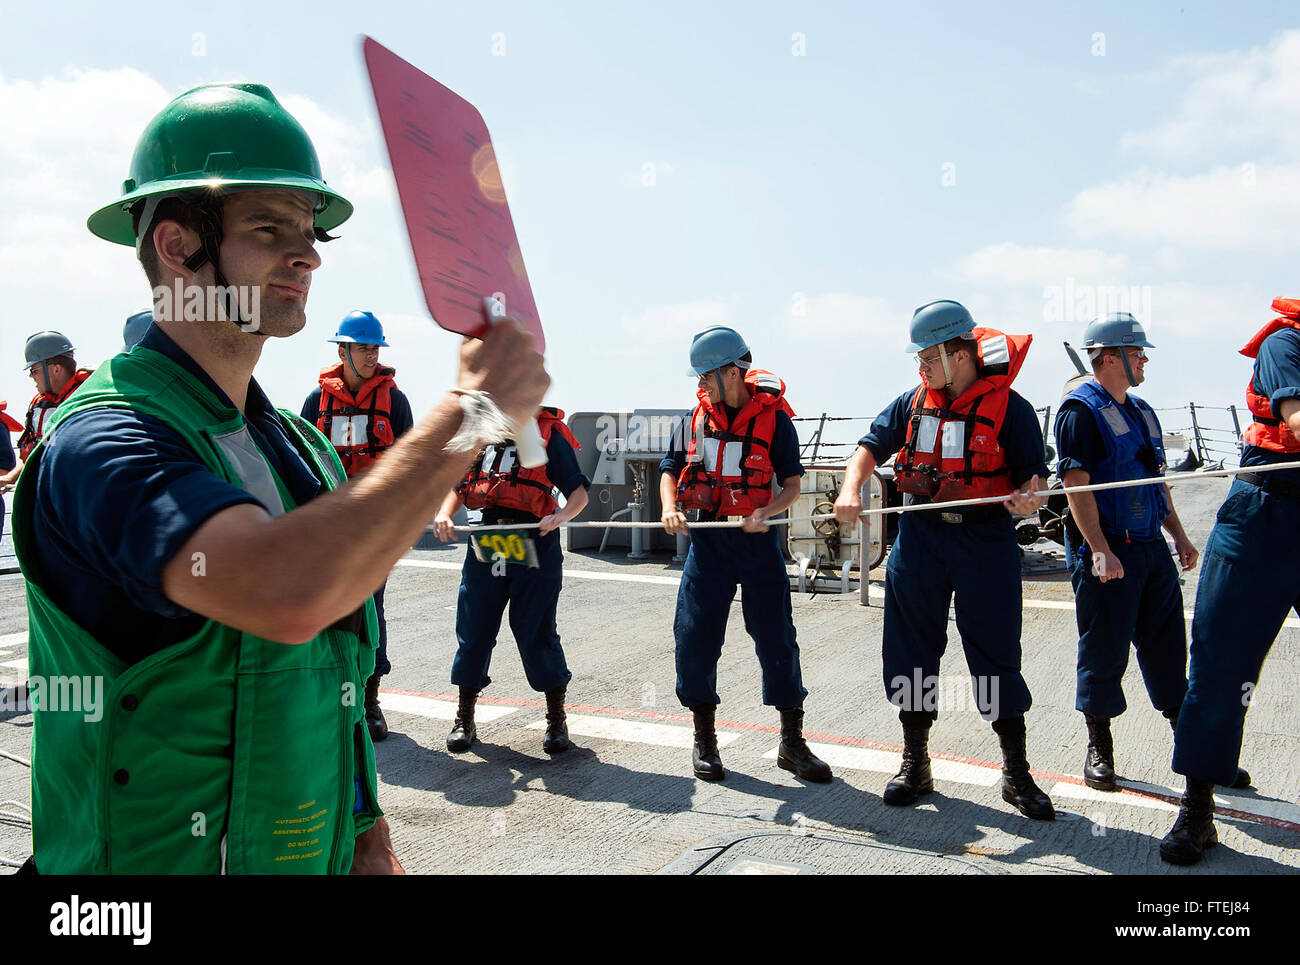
(134, 329)
(1126, 585)
(740, 441)
(962, 433)
(360, 409)
(51, 364)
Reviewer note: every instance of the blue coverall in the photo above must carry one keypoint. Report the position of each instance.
(978, 561)
(402, 421)
(1250, 581)
(717, 562)
(1145, 607)
(533, 593)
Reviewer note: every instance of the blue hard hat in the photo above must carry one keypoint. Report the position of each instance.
(360, 328)
(134, 329)
(44, 346)
(936, 322)
(715, 347)
(1114, 330)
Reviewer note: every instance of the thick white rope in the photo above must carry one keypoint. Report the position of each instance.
(919, 507)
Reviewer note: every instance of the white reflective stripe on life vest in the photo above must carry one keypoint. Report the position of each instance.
(731, 453)
(348, 432)
(39, 415)
(1115, 419)
(994, 350)
(1152, 427)
(499, 459)
(954, 440)
(927, 432)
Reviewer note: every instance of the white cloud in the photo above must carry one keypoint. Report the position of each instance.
(1239, 101)
(1008, 263)
(1238, 208)
(345, 149)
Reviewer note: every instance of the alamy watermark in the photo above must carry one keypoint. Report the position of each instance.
(76, 695)
(197, 303)
(933, 693)
(1073, 302)
(637, 433)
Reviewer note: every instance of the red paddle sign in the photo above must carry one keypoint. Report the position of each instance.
(452, 197)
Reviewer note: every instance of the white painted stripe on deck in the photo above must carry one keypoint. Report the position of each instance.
(15, 664)
(576, 574)
(889, 762)
(873, 592)
(13, 639)
(438, 709)
(635, 731)
(1281, 810)
(1064, 790)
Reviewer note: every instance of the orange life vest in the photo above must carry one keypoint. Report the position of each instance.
(359, 427)
(8, 421)
(952, 450)
(497, 479)
(42, 404)
(729, 461)
(1268, 431)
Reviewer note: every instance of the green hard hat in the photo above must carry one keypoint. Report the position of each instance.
(225, 136)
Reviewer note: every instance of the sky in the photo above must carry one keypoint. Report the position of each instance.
(806, 173)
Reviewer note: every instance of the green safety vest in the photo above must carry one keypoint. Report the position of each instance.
(226, 751)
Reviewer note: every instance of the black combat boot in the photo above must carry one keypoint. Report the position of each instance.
(1243, 775)
(556, 740)
(1099, 766)
(1193, 831)
(375, 722)
(914, 779)
(794, 755)
(463, 732)
(1018, 787)
(704, 755)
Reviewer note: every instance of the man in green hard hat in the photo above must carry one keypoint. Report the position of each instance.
(182, 540)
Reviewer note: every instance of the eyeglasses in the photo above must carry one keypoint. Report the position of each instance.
(924, 362)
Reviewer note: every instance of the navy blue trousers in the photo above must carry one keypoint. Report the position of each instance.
(716, 563)
(1145, 608)
(532, 594)
(1250, 581)
(382, 666)
(979, 563)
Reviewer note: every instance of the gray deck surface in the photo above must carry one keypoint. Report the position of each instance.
(619, 804)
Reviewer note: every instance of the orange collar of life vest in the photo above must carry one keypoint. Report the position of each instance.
(765, 390)
(998, 360)
(1289, 317)
(331, 381)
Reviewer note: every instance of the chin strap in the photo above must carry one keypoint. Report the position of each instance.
(1123, 357)
(347, 352)
(209, 253)
(947, 369)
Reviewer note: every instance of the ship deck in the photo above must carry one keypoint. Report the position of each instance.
(623, 800)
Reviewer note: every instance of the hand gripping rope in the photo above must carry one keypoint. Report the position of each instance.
(920, 507)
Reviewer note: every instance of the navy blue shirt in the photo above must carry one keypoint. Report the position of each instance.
(784, 452)
(118, 493)
(7, 458)
(1079, 440)
(1021, 437)
(401, 414)
(1277, 376)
